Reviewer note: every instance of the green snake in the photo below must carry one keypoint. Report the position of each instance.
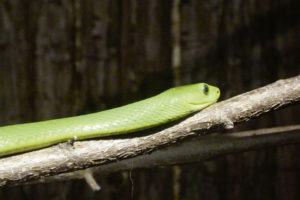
(167, 106)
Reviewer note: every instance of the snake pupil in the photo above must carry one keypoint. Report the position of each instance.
(205, 89)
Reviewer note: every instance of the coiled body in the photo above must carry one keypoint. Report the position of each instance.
(165, 107)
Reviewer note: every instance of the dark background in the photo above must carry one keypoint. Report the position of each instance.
(62, 58)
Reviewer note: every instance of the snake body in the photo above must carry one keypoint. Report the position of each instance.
(164, 107)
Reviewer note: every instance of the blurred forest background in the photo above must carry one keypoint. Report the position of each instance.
(62, 58)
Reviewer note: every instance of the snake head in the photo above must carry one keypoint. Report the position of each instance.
(197, 96)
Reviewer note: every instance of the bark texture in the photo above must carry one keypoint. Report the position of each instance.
(191, 151)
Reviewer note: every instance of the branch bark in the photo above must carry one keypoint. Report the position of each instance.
(195, 150)
(64, 158)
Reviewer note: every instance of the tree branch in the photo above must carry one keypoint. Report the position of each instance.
(195, 150)
(83, 154)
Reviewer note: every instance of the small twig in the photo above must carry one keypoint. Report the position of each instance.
(265, 131)
(89, 178)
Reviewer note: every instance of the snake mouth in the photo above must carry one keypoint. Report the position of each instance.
(205, 104)
(207, 101)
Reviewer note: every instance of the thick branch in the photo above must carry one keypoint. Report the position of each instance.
(64, 158)
(195, 150)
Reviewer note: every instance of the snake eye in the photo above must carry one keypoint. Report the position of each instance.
(205, 89)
